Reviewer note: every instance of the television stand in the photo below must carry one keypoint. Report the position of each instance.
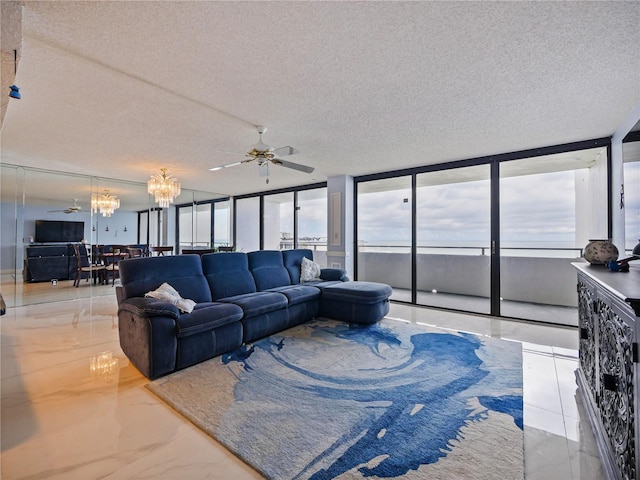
(44, 263)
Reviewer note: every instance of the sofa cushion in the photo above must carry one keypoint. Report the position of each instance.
(182, 272)
(309, 271)
(207, 316)
(228, 274)
(322, 284)
(298, 293)
(258, 303)
(292, 260)
(358, 292)
(331, 274)
(268, 269)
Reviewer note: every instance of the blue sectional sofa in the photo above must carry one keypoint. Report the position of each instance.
(239, 297)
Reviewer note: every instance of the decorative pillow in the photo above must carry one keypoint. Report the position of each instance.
(309, 270)
(168, 293)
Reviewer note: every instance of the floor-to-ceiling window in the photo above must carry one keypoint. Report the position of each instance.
(143, 227)
(221, 223)
(278, 221)
(247, 224)
(384, 233)
(549, 209)
(203, 224)
(492, 235)
(631, 199)
(311, 212)
(283, 219)
(194, 226)
(453, 221)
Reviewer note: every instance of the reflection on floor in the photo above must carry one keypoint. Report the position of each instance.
(74, 408)
(19, 293)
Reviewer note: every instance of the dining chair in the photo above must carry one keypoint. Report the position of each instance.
(84, 267)
(111, 258)
(134, 252)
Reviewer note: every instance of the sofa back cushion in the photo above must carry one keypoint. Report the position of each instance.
(268, 269)
(293, 260)
(228, 274)
(182, 272)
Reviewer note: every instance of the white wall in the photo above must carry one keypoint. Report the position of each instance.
(591, 201)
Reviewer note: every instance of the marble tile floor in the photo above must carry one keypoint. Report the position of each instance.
(74, 408)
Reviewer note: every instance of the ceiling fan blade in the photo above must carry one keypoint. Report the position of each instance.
(284, 151)
(213, 169)
(294, 166)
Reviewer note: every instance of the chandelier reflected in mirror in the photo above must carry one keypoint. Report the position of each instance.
(164, 188)
(105, 203)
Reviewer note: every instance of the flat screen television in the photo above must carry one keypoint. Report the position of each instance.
(51, 231)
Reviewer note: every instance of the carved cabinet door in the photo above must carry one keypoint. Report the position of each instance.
(588, 330)
(616, 381)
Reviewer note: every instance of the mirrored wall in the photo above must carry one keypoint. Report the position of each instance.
(45, 213)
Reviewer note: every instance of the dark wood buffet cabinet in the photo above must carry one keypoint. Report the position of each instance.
(43, 263)
(609, 320)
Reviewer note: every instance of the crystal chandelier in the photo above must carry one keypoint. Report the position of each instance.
(164, 188)
(104, 202)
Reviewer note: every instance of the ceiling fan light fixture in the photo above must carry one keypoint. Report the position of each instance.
(262, 154)
(14, 89)
(261, 149)
(164, 188)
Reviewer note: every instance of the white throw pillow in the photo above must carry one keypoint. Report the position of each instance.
(309, 270)
(170, 294)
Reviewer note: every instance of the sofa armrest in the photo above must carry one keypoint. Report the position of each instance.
(147, 332)
(119, 294)
(149, 307)
(332, 274)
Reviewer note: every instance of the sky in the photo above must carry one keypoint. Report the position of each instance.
(538, 209)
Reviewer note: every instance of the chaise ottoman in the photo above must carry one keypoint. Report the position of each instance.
(356, 302)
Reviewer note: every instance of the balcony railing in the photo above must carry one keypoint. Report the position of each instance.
(553, 252)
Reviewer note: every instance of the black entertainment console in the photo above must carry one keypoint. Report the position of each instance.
(44, 263)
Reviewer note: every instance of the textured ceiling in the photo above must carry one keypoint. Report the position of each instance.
(121, 89)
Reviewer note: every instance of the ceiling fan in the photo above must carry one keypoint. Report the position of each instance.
(75, 208)
(264, 154)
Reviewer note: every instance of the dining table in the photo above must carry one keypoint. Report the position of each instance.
(160, 250)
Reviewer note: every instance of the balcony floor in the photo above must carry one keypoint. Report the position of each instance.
(555, 314)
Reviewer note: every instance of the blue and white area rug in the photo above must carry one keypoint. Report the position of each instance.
(329, 400)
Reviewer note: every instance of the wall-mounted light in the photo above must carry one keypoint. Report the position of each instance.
(106, 229)
(93, 228)
(14, 89)
(124, 229)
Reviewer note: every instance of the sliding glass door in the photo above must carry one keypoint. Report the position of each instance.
(453, 219)
(384, 234)
(278, 221)
(549, 209)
